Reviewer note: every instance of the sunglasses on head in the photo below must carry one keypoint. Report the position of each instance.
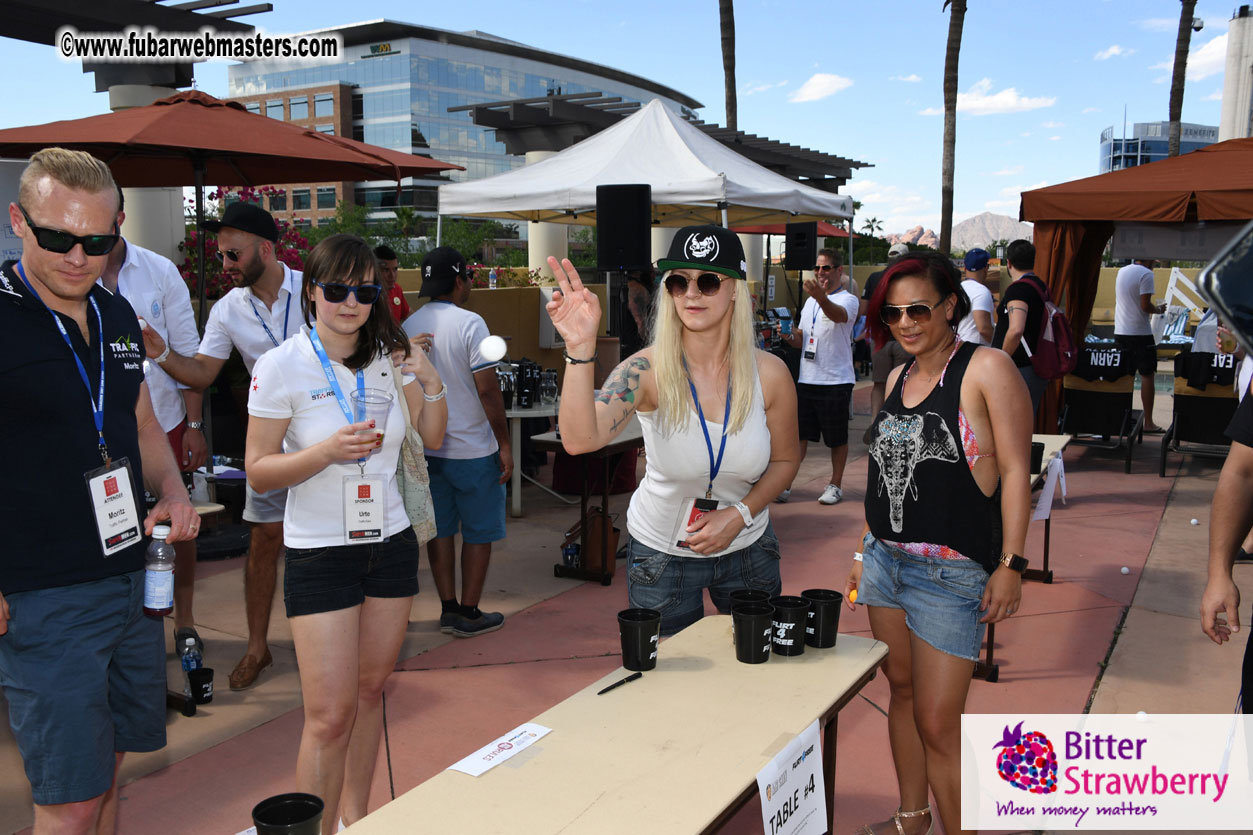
(707, 283)
(54, 240)
(363, 293)
(918, 312)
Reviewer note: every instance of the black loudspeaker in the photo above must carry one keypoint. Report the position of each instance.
(624, 227)
(801, 244)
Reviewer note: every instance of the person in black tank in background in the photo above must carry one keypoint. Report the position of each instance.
(947, 504)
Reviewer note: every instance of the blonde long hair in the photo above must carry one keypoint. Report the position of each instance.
(673, 395)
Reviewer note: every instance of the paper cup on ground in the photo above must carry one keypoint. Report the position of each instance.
(201, 680)
(790, 614)
(295, 813)
(752, 625)
(640, 629)
(824, 617)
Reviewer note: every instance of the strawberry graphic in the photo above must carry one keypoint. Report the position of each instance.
(1027, 761)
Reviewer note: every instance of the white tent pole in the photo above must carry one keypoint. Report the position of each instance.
(439, 228)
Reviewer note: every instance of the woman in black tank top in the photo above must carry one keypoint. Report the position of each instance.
(947, 504)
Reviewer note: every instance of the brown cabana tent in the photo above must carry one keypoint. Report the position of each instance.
(1074, 221)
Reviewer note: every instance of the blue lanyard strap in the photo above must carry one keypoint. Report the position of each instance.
(268, 332)
(97, 401)
(330, 378)
(714, 465)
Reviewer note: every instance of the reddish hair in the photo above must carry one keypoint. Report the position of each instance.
(932, 266)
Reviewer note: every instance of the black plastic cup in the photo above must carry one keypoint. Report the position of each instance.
(201, 685)
(294, 813)
(790, 614)
(749, 596)
(639, 630)
(751, 627)
(823, 623)
(1037, 457)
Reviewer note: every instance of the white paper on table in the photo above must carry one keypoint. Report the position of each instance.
(1056, 475)
(497, 751)
(792, 789)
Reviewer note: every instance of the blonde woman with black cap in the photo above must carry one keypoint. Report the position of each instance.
(719, 423)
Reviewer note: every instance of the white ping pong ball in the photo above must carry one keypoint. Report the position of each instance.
(492, 348)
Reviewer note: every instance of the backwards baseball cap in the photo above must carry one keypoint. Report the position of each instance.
(440, 269)
(897, 250)
(712, 248)
(246, 217)
(976, 259)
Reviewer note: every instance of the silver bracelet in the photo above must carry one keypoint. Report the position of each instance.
(432, 398)
(857, 556)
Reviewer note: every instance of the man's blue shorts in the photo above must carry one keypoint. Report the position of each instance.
(468, 498)
(83, 669)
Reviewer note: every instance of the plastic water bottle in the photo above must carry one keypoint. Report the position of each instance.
(159, 574)
(191, 659)
(491, 280)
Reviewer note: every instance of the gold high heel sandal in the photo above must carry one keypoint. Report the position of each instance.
(898, 816)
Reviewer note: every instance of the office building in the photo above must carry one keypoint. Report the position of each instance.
(1148, 143)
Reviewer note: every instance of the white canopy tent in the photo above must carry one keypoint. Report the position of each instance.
(693, 178)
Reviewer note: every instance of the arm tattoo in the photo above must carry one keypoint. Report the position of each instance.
(623, 383)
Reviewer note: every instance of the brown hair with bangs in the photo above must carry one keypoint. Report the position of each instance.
(347, 259)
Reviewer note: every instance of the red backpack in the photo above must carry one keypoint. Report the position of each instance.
(1055, 351)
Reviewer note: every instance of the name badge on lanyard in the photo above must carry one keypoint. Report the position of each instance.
(693, 509)
(811, 338)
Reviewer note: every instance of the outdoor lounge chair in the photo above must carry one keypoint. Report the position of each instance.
(1204, 403)
(1098, 406)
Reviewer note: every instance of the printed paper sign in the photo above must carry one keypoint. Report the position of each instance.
(496, 752)
(1106, 771)
(793, 795)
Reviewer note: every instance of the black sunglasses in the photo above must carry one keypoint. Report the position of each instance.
(707, 283)
(363, 293)
(224, 255)
(918, 312)
(54, 240)
(822, 268)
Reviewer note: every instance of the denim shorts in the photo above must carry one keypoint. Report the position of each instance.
(342, 576)
(673, 585)
(468, 498)
(940, 597)
(83, 669)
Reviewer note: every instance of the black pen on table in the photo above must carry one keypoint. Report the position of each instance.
(632, 677)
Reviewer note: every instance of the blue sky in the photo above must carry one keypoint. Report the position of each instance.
(1038, 81)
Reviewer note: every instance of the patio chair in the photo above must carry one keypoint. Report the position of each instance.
(1098, 406)
(1204, 403)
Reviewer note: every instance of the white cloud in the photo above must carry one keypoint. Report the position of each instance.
(1168, 65)
(760, 87)
(1217, 95)
(1111, 52)
(1160, 24)
(1025, 134)
(1052, 125)
(1091, 110)
(1054, 138)
(981, 101)
(1210, 59)
(1008, 171)
(1011, 196)
(819, 86)
(912, 78)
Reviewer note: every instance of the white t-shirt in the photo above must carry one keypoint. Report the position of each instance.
(288, 383)
(153, 286)
(455, 338)
(1133, 281)
(240, 320)
(980, 299)
(833, 363)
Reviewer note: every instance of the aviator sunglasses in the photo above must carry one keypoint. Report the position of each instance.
(363, 293)
(54, 240)
(707, 283)
(918, 312)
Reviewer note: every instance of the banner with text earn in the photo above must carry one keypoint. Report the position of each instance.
(1106, 771)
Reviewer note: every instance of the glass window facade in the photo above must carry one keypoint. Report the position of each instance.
(299, 107)
(323, 105)
(326, 197)
(1149, 142)
(274, 109)
(325, 129)
(278, 202)
(253, 107)
(299, 198)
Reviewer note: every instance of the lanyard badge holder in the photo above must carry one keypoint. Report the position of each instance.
(364, 497)
(695, 508)
(110, 487)
(810, 351)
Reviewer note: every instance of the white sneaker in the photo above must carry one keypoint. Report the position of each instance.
(831, 495)
(784, 496)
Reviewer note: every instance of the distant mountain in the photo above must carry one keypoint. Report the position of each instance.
(979, 230)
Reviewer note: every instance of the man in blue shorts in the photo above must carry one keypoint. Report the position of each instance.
(82, 667)
(469, 471)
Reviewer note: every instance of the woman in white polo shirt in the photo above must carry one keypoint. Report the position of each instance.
(348, 603)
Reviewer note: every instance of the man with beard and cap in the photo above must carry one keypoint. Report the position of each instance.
(259, 313)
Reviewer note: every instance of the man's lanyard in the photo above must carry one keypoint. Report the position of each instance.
(268, 332)
(330, 378)
(714, 465)
(97, 408)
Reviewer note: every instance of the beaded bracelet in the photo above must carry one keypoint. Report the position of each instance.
(572, 361)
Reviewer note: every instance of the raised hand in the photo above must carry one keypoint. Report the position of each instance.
(575, 310)
(154, 345)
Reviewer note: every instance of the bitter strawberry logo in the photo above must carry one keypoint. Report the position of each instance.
(363, 491)
(1027, 761)
(110, 486)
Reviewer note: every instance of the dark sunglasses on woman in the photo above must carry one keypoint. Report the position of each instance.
(336, 293)
(707, 283)
(54, 240)
(918, 312)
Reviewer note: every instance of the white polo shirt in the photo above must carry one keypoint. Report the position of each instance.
(980, 299)
(241, 320)
(288, 383)
(1132, 282)
(157, 292)
(455, 338)
(833, 364)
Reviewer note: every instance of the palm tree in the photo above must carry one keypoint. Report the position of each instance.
(956, 17)
(1177, 78)
(726, 22)
(872, 226)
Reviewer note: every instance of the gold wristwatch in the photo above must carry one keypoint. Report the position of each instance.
(1014, 562)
